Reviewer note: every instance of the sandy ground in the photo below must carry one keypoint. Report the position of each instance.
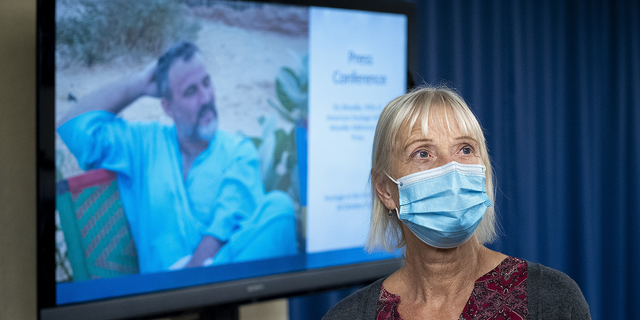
(243, 62)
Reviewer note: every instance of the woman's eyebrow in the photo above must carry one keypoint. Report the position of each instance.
(412, 141)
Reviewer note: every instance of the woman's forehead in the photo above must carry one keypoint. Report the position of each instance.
(438, 120)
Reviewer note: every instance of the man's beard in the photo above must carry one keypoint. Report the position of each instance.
(206, 132)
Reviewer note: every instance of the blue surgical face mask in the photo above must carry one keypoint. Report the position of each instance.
(443, 206)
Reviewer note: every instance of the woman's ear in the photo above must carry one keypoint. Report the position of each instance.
(386, 191)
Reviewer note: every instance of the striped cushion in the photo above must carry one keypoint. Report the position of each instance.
(99, 242)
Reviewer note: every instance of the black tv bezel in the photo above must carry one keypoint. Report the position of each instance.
(231, 292)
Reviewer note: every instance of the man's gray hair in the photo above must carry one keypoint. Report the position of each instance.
(184, 50)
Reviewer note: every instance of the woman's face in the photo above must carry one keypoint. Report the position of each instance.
(442, 145)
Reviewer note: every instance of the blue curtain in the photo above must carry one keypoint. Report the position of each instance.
(556, 86)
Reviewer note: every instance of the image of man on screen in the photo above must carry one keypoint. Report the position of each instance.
(193, 195)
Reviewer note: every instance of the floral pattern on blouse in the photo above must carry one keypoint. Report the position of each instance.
(499, 294)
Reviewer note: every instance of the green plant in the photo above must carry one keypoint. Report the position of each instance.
(292, 90)
(278, 156)
(277, 146)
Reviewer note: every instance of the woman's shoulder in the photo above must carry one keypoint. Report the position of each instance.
(553, 294)
(359, 305)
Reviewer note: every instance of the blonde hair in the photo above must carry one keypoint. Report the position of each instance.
(403, 113)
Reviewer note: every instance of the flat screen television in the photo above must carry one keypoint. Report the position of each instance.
(287, 98)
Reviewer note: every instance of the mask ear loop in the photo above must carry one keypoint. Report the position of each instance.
(394, 209)
(392, 179)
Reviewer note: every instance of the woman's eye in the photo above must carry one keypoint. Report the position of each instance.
(421, 154)
(466, 150)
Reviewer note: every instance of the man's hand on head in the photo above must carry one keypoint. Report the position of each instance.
(147, 80)
(117, 95)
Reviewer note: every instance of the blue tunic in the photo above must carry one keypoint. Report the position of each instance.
(223, 195)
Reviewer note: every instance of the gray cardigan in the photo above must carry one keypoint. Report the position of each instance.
(551, 294)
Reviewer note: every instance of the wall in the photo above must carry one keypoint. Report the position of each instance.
(17, 159)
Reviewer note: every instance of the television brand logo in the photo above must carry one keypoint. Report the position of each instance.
(255, 288)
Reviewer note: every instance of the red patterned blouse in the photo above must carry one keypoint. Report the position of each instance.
(499, 294)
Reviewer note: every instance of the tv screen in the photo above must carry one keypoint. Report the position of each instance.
(195, 153)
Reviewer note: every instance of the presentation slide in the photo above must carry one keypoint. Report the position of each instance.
(357, 64)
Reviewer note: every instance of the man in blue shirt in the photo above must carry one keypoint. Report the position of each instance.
(193, 194)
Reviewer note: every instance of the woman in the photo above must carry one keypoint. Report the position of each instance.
(432, 191)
